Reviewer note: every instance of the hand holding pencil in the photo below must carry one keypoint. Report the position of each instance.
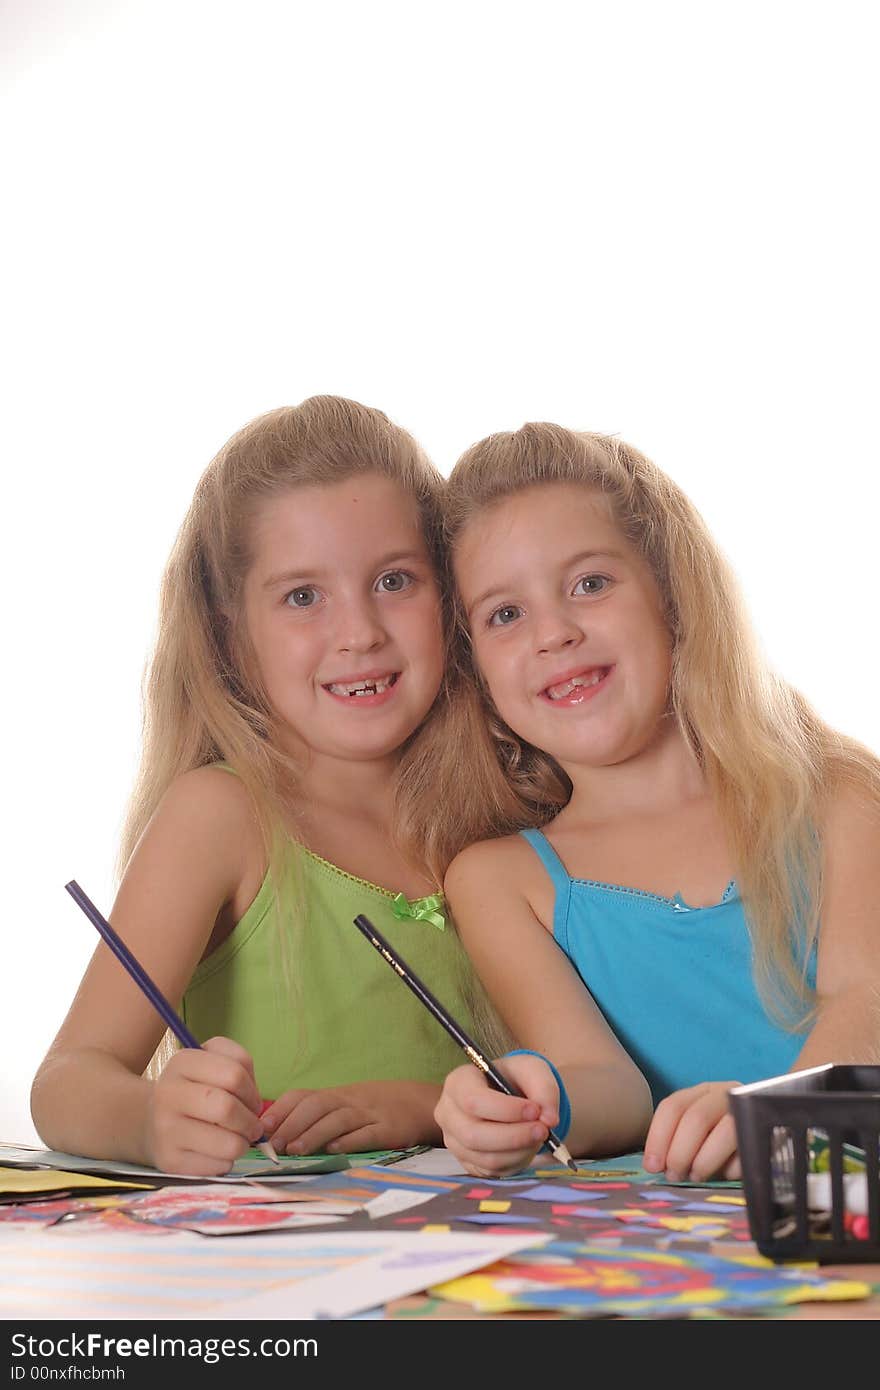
(526, 1126)
(203, 1110)
(495, 1134)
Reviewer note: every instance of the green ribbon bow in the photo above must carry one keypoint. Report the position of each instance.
(421, 909)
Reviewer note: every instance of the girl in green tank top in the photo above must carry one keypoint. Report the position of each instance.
(302, 646)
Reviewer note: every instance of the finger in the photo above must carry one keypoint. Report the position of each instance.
(534, 1078)
(494, 1165)
(491, 1137)
(716, 1151)
(220, 1107)
(663, 1127)
(356, 1141)
(494, 1105)
(246, 1084)
(468, 1090)
(228, 1047)
(694, 1128)
(216, 1068)
(179, 1098)
(197, 1165)
(308, 1111)
(206, 1149)
(274, 1112)
(330, 1126)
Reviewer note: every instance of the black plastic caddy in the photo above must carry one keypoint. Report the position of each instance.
(809, 1143)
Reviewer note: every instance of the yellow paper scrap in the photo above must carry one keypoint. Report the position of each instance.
(494, 1206)
(51, 1180)
(841, 1289)
(479, 1290)
(706, 1224)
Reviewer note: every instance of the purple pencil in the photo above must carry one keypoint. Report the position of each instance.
(137, 972)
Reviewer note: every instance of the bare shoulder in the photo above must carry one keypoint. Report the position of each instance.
(850, 832)
(204, 830)
(487, 860)
(850, 829)
(505, 870)
(852, 809)
(208, 801)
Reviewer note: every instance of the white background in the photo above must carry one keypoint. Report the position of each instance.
(652, 219)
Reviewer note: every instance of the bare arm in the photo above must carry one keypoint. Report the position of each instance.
(847, 1027)
(547, 1007)
(89, 1095)
(693, 1133)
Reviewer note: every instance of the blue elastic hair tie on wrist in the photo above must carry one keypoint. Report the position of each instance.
(564, 1103)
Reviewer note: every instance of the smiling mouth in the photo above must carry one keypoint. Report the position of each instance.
(369, 685)
(579, 686)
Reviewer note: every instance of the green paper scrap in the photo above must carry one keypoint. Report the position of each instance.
(244, 1169)
(301, 1165)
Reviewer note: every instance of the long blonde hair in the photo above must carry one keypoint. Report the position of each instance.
(768, 758)
(203, 700)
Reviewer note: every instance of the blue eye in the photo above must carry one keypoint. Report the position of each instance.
(306, 597)
(503, 617)
(394, 582)
(591, 584)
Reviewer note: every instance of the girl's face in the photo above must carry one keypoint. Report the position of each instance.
(343, 612)
(566, 624)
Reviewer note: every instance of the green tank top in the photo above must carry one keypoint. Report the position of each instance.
(348, 1017)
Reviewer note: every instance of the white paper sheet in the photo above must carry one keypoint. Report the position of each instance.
(72, 1273)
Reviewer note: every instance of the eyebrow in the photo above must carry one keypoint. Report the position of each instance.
(397, 557)
(496, 590)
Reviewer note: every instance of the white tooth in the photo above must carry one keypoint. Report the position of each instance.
(361, 687)
(559, 692)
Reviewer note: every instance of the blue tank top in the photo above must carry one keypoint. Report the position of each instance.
(674, 982)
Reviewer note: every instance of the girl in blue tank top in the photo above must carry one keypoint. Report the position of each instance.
(658, 939)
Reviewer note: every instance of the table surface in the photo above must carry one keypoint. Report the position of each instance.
(440, 1163)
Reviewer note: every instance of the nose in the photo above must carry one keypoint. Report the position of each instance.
(360, 627)
(555, 630)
